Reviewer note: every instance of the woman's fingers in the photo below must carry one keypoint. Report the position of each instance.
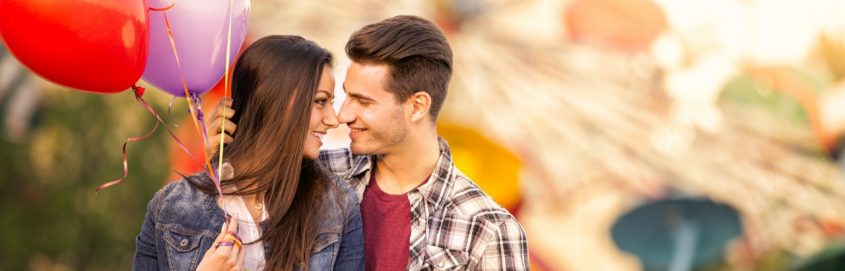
(219, 123)
(227, 113)
(240, 260)
(225, 253)
(215, 141)
(233, 236)
(214, 134)
(218, 111)
(223, 245)
(228, 125)
(227, 102)
(233, 224)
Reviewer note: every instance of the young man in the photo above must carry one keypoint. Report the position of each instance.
(419, 211)
(411, 193)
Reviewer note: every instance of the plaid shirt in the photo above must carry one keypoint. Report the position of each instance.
(454, 225)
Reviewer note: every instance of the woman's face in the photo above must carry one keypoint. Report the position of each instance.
(323, 116)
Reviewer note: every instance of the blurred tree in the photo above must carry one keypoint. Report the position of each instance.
(51, 218)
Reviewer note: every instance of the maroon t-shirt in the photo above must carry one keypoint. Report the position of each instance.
(387, 228)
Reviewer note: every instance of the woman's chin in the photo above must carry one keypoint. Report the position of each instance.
(311, 154)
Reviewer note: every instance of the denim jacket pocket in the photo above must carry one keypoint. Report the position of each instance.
(182, 252)
(440, 258)
(325, 240)
(324, 251)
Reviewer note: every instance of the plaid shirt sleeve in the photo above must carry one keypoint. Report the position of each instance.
(336, 161)
(505, 248)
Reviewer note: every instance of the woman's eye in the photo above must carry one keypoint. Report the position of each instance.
(321, 101)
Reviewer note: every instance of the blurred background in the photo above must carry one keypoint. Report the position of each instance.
(622, 134)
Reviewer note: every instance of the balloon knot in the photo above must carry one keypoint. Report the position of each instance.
(139, 91)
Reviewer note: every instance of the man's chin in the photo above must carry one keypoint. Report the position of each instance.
(359, 150)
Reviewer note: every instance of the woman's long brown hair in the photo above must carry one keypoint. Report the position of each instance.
(274, 84)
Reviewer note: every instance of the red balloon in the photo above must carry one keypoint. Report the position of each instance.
(96, 46)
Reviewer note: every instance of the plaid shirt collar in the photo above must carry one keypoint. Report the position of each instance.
(453, 223)
(432, 191)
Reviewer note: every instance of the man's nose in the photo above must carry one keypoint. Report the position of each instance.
(346, 115)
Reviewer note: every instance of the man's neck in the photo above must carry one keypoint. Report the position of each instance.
(407, 167)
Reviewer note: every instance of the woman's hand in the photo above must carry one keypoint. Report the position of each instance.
(218, 119)
(226, 252)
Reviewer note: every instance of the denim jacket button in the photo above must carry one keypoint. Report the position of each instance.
(183, 243)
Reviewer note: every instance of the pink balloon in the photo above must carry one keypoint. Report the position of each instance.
(199, 30)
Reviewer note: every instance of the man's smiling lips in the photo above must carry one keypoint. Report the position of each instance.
(356, 131)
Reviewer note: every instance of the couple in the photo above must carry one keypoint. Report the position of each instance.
(393, 201)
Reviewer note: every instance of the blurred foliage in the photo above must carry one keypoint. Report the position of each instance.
(746, 90)
(51, 218)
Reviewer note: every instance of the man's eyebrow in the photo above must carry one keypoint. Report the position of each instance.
(359, 96)
(355, 95)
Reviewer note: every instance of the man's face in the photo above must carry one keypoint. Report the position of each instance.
(377, 121)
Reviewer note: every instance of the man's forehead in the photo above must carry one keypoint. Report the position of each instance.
(366, 78)
(368, 69)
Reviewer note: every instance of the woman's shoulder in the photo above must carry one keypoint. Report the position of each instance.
(340, 198)
(182, 190)
(339, 182)
(178, 199)
(344, 190)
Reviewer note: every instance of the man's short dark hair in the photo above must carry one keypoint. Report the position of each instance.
(414, 49)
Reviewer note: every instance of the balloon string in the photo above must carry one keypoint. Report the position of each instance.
(200, 116)
(168, 7)
(139, 93)
(196, 99)
(193, 111)
(172, 134)
(169, 109)
(225, 90)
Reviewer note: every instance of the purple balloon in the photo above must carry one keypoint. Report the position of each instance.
(199, 31)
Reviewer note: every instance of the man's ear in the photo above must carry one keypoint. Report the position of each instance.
(420, 103)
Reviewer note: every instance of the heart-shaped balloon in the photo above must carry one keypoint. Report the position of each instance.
(96, 46)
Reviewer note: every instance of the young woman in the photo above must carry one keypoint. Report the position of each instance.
(286, 213)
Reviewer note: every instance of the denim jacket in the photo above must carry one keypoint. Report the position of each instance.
(182, 222)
